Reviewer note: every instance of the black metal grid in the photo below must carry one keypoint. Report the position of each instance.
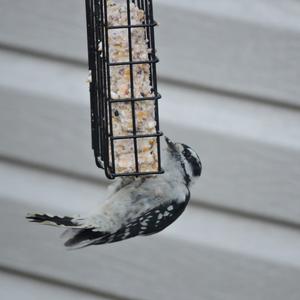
(100, 86)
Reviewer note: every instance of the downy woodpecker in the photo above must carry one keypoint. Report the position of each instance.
(135, 206)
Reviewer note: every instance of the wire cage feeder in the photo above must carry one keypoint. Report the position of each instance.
(108, 102)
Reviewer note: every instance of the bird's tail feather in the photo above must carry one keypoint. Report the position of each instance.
(56, 221)
(78, 235)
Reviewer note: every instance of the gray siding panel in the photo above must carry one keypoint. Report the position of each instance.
(222, 49)
(175, 265)
(229, 75)
(249, 150)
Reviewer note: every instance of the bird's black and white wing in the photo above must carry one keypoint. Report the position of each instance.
(150, 222)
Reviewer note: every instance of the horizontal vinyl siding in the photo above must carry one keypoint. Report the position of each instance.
(248, 149)
(203, 255)
(229, 78)
(236, 48)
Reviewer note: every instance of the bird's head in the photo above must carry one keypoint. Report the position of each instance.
(188, 159)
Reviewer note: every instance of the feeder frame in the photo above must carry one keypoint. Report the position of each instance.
(100, 88)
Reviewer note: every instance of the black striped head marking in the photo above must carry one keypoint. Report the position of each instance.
(193, 159)
(189, 159)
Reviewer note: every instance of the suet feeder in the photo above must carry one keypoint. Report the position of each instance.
(123, 87)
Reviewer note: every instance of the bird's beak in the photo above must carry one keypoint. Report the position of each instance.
(170, 144)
